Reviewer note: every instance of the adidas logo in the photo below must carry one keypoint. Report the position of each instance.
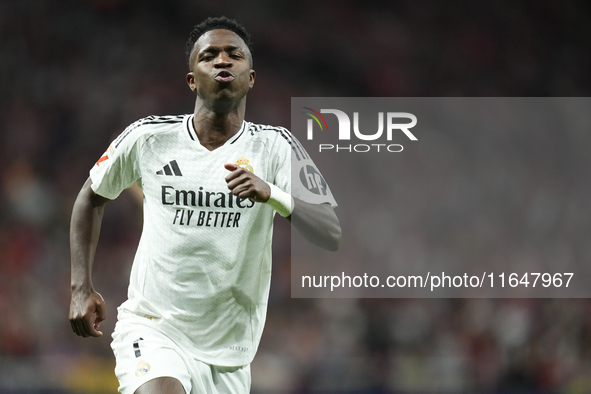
(171, 168)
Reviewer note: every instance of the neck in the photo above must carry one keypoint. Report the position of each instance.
(216, 126)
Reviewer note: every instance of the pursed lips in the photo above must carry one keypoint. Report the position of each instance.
(224, 76)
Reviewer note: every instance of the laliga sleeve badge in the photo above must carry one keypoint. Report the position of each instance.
(243, 162)
(142, 368)
(104, 157)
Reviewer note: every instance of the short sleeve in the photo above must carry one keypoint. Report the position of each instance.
(118, 168)
(297, 174)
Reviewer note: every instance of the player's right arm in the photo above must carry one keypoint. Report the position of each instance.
(87, 308)
(116, 170)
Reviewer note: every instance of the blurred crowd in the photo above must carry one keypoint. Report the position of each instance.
(74, 74)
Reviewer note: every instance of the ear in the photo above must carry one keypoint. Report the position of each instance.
(191, 81)
(251, 79)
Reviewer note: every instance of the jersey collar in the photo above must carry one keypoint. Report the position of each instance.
(190, 130)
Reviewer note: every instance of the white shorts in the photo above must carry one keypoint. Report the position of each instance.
(143, 353)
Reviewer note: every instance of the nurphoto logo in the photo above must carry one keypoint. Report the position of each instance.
(393, 124)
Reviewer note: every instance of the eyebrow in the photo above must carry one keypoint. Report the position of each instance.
(227, 48)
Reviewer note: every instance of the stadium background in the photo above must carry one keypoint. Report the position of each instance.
(75, 73)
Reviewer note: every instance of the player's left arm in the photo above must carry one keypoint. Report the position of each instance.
(317, 223)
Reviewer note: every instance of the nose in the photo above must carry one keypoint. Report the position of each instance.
(223, 61)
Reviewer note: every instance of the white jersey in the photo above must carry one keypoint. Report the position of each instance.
(203, 264)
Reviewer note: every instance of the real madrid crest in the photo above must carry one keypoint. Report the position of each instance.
(243, 162)
(142, 368)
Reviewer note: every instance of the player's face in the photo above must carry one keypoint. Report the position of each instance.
(220, 67)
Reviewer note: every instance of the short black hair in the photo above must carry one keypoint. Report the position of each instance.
(216, 23)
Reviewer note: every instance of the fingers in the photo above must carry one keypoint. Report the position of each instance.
(79, 327)
(86, 326)
(238, 179)
(94, 332)
(240, 185)
(100, 315)
(75, 328)
(231, 166)
(235, 171)
(100, 309)
(245, 184)
(85, 319)
(76, 324)
(244, 187)
(90, 326)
